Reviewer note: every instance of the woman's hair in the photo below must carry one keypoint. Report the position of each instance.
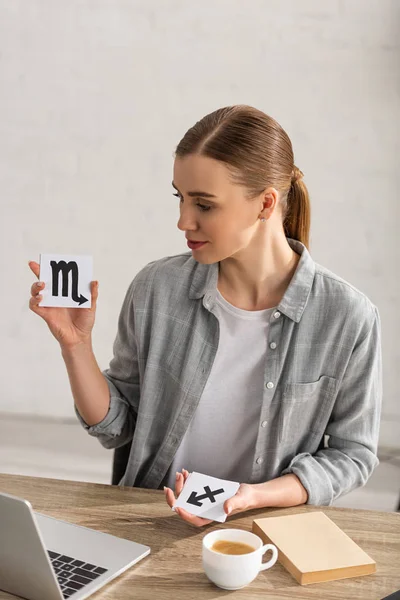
(258, 154)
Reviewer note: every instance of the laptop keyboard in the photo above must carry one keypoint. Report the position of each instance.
(73, 574)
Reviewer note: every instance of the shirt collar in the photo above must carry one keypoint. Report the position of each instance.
(294, 300)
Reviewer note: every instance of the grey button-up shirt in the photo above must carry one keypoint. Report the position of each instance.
(320, 419)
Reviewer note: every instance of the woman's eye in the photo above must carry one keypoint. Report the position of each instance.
(202, 207)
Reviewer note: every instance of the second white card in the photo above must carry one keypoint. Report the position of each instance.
(204, 496)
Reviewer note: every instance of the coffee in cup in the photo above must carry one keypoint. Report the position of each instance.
(231, 547)
(232, 558)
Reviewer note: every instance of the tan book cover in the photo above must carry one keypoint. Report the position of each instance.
(313, 548)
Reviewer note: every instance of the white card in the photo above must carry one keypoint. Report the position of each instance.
(204, 496)
(67, 279)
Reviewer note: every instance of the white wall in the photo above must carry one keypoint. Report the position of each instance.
(96, 95)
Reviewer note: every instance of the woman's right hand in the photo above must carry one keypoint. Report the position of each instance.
(70, 326)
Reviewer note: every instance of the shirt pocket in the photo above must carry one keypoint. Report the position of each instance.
(305, 409)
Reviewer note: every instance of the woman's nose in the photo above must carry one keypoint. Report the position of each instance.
(185, 223)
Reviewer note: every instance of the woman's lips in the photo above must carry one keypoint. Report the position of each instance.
(195, 245)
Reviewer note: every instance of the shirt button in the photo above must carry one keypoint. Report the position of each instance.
(272, 345)
(277, 314)
(264, 423)
(259, 460)
(270, 385)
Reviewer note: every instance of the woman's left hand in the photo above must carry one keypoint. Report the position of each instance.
(241, 501)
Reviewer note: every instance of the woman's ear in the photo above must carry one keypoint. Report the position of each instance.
(271, 197)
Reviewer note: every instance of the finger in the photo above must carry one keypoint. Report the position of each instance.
(35, 300)
(180, 482)
(94, 288)
(192, 519)
(34, 305)
(170, 497)
(36, 288)
(34, 267)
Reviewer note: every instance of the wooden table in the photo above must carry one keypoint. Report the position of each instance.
(173, 569)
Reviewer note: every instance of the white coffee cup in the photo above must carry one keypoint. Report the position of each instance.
(234, 571)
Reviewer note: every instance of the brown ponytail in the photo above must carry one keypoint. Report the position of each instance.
(258, 154)
(297, 210)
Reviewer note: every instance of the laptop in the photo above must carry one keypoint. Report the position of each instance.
(42, 558)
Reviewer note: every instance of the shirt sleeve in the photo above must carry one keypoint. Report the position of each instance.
(122, 376)
(353, 428)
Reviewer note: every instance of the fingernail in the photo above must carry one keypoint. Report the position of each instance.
(177, 475)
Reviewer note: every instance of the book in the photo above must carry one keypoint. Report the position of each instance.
(313, 548)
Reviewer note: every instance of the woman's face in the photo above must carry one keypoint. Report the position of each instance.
(227, 221)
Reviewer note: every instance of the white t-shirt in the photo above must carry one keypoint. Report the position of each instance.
(220, 440)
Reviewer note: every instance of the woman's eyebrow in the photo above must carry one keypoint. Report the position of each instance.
(203, 194)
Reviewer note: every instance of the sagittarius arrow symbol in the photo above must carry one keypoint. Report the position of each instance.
(194, 498)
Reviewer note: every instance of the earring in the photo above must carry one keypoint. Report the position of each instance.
(263, 219)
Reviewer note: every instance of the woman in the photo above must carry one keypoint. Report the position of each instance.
(242, 359)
